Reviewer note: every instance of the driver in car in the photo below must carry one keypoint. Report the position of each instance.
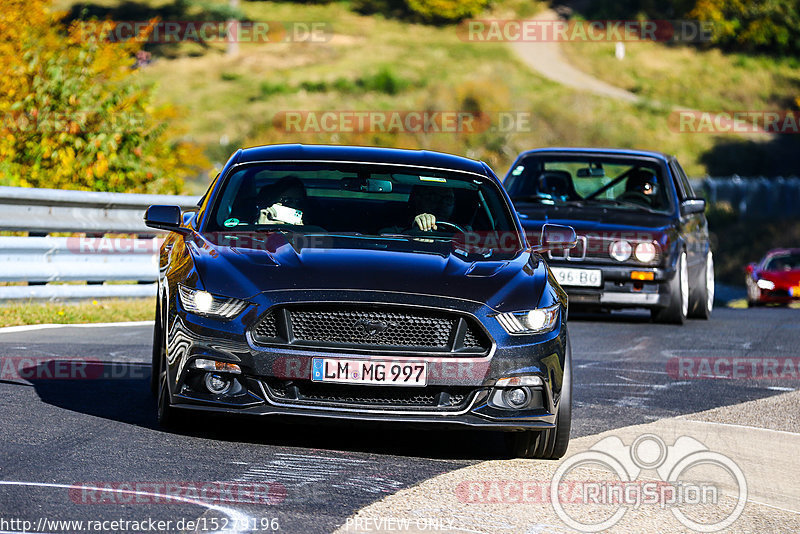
(641, 186)
(431, 204)
(283, 202)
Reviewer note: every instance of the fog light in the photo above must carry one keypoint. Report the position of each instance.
(217, 384)
(517, 397)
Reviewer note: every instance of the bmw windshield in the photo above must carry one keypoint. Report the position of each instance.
(588, 180)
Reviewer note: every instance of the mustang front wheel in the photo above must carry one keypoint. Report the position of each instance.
(548, 444)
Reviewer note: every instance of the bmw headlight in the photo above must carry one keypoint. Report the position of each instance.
(204, 303)
(645, 252)
(620, 250)
(536, 321)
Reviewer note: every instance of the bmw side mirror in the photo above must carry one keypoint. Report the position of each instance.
(693, 205)
(164, 218)
(557, 237)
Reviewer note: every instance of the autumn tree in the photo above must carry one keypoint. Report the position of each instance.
(75, 114)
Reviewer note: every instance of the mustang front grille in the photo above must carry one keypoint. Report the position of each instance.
(363, 327)
(374, 327)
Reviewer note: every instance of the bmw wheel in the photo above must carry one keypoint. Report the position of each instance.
(678, 307)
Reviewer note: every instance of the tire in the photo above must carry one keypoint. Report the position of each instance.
(548, 444)
(158, 350)
(168, 416)
(703, 304)
(678, 308)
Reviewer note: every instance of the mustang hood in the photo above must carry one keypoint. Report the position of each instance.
(245, 265)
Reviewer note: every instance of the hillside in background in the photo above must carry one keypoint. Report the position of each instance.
(372, 62)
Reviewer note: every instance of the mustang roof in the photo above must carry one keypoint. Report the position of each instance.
(420, 158)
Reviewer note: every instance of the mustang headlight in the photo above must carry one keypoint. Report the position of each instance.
(536, 321)
(204, 303)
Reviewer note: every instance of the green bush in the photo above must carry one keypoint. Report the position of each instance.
(446, 10)
(429, 11)
(759, 25)
(384, 81)
(268, 88)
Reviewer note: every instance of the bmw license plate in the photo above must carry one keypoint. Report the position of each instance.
(379, 372)
(578, 277)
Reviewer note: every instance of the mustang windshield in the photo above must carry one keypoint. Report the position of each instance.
(357, 199)
(616, 183)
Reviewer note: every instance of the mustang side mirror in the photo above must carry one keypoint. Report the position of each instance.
(693, 205)
(164, 218)
(557, 237)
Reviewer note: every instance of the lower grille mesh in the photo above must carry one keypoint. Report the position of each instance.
(430, 397)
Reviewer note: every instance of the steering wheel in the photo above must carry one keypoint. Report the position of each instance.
(452, 225)
(635, 197)
(417, 229)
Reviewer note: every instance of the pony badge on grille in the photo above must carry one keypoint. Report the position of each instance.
(369, 328)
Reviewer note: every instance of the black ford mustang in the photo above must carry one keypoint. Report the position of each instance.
(642, 232)
(362, 283)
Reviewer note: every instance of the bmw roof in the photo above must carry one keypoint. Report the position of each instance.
(609, 151)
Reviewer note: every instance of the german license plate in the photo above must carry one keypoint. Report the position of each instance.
(380, 372)
(567, 276)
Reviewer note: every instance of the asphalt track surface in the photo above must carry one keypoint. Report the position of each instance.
(56, 434)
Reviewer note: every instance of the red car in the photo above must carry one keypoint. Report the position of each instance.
(776, 278)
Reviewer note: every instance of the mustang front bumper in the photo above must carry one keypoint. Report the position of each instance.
(276, 381)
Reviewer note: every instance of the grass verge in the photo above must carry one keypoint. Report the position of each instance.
(91, 311)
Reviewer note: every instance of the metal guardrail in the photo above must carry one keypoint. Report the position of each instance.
(756, 198)
(97, 260)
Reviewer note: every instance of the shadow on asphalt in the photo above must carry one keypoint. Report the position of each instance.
(626, 316)
(129, 401)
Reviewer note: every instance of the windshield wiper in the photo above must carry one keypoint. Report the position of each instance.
(534, 198)
(618, 202)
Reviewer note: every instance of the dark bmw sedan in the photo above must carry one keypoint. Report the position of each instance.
(642, 232)
(366, 284)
